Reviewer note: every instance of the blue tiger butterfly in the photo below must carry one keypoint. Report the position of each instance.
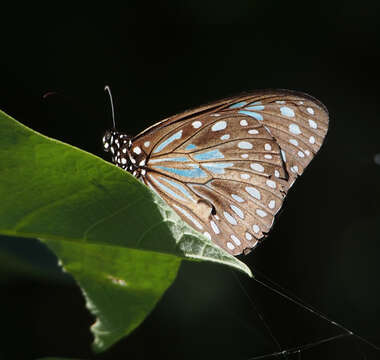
(226, 167)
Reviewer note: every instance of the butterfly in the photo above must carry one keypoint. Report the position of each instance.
(226, 167)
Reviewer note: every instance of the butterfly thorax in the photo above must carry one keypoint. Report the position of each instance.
(119, 145)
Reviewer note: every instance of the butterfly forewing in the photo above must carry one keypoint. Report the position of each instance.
(226, 167)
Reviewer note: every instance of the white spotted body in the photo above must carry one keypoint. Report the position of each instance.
(225, 168)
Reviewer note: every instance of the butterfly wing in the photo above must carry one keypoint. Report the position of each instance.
(225, 168)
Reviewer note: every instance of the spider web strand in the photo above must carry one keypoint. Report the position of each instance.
(296, 300)
(261, 317)
(301, 348)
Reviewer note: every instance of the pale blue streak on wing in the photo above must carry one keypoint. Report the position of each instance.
(257, 107)
(252, 114)
(238, 105)
(217, 168)
(191, 173)
(181, 188)
(165, 143)
(255, 103)
(191, 218)
(167, 190)
(190, 147)
(176, 159)
(209, 155)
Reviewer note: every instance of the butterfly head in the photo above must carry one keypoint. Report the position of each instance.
(119, 145)
(109, 140)
(114, 140)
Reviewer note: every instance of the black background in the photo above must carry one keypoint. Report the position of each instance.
(161, 58)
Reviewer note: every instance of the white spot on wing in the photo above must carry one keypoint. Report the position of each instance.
(271, 184)
(245, 145)
(237, 211)
(230, 245)
(146, 143)
(248, 236)
(294, 169)
(235, 240)
(286, 111)
(312, 124)
(257, 167)
(196, 124)
(243, 123)
(268, 147)
(293, 142)
(272, 204)
(214, 227)
(310, 110)
(245, 176)
(229, 218)
(225, 137)
(220, 125)
(256, 228)
(261, 213)
(253, 192)
(312, 140)
(295, 129)
(244, 156)
(237, 198)
(253, 132)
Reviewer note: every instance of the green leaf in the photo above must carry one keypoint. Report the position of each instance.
(120, 285)
(121, 242)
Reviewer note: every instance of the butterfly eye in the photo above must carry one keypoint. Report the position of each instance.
(107, 140)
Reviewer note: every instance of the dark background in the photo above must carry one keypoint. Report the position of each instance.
(163, 57)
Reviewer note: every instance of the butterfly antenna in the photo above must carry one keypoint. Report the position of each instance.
(108, 90)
